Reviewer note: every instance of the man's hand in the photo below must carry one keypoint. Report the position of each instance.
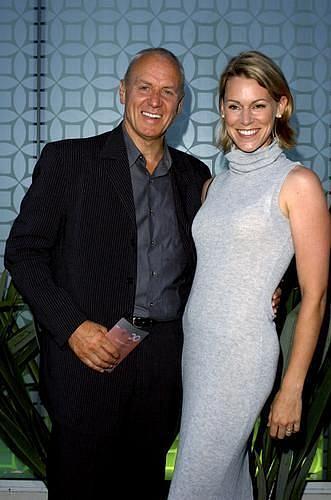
(275, 300)
(90, 344)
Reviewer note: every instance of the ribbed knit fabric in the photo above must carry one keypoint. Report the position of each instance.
(231, 349)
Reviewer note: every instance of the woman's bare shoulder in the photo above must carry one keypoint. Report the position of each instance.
(302, 178)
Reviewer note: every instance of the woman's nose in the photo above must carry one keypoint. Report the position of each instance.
(246, 116)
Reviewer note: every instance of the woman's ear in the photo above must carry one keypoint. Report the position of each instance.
(281, 106)
(222, 109)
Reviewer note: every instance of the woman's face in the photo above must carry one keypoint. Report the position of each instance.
(249, 113)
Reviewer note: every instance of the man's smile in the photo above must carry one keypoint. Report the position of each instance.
(151, 115)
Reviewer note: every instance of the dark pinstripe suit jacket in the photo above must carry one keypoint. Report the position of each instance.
(72, 254)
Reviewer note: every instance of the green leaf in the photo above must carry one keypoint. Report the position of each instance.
(3, 281)
(21, 426)
(287, 335)
(272, 475)
(260, 479)
(13, 436)
(283, 474)
(317, 412)
(296, 485)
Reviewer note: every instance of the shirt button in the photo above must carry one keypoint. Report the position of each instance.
(154, 274)
(153, 243)
(151, 304)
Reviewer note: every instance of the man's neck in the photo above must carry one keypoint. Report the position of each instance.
(153, 157)
(151, 149)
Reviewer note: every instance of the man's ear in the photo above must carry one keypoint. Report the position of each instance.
(180, 106)
(122, 92)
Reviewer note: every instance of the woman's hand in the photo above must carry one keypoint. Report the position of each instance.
(275, 300)
(285, 413)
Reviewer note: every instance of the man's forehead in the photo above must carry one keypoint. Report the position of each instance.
(152, 63)
(144, 78)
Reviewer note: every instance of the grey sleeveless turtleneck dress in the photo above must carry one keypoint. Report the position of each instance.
(231, 349)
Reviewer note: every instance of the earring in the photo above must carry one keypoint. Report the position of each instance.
(278, 115)
(222, 115)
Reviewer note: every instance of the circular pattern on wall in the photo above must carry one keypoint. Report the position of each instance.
(88, 44)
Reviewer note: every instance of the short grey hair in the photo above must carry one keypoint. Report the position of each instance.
(167, 54)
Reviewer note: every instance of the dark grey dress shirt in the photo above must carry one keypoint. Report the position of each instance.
(160, 255)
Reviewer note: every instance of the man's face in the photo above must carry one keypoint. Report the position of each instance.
(152, 98)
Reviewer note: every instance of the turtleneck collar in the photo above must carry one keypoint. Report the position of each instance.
(241, 162)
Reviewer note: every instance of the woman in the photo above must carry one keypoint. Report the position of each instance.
(256, 215)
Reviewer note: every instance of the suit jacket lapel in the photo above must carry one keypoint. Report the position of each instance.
(114, 154)
(180, 182)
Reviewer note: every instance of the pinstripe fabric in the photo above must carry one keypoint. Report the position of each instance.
(72, 254)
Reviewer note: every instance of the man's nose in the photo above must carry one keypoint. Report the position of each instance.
(155, 98)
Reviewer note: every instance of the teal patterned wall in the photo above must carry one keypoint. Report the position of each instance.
(60, 72)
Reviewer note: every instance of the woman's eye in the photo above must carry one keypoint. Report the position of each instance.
(259, 106)
(233, 107)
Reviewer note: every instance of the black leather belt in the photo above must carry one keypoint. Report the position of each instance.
(141, 322)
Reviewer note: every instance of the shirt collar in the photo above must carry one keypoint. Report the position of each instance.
(134, 153)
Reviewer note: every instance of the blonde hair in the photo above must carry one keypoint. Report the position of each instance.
(259, 67)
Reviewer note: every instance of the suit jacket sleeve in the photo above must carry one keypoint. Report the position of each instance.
(32, 240)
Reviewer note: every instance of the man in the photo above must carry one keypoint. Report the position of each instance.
(104, 233)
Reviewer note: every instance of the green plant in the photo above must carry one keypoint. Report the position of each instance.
(280, 468)
(22, 428)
